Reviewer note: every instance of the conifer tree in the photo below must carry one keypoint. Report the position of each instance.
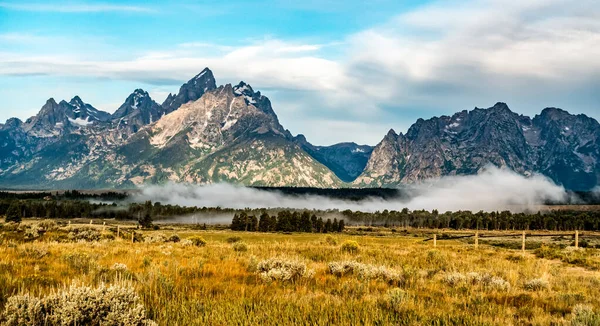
(13, 214)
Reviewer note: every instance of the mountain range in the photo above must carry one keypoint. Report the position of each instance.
(207, 133)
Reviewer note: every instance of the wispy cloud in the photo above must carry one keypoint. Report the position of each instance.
(73, 7)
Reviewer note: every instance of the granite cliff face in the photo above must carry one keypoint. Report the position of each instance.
(555, 143)
(230, 133)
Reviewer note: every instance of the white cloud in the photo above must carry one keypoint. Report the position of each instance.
(480, 45)
(449, 55)
(72, 7)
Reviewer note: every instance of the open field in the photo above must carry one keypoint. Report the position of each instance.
(390, 278)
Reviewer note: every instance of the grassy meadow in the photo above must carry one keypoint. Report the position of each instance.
(219, 277)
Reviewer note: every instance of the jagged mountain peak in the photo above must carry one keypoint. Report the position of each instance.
(76, 101)
(206, 74)
(50, 101)
(391, 134)
(191, 90)
(243, 88)
(13, 123)
(553, 113)
(138, 100)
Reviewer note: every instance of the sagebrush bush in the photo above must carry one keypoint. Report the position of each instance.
(48, 225)
(584, 315)
(240, 247)
(487, 280)
(365, 271)
(155, 238)
(119, 267)
(31, 233)
(198, 241)
(84, 234)
(395, 299)
(350, 246)
(536, 284)
(454, 278)
(280, 269)
(78, 305)
(10, 226)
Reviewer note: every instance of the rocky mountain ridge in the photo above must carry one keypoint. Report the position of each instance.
(555, 143)
(207, 133)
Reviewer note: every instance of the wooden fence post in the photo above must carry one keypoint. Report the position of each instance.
(132, 234)
(576, 238)
(476, 239)
(118, 230)
(523, 242)
(91, 221)
(103, 226)
(434, 240)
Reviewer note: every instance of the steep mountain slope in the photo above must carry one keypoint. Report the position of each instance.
(229, 133)
(555, 143)
(222, 137)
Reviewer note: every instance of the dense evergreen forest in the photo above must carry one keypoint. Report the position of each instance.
(286, 221)
(73, 204)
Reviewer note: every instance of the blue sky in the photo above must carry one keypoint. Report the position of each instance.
(334, 70)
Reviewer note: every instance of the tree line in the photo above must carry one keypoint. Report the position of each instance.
(558, 220)
(290, 220)
(286, 221)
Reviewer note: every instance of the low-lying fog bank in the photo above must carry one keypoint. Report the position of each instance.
(492, 190)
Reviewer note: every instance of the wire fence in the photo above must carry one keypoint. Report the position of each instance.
(576, 235)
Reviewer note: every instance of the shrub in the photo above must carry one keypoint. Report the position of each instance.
(583, 315)
(395, 298)
(233, 239)
(499, 283)
(240, 247)
(23, 310)
(10, 226)
(31, 233)
(119, 267)
(84, 234)
(350, 246)
(536, 284)
(487, 280)
(453, 279)
(174, 238)
(48, 225)
(279, 269)
(198, 241)
(107, 306)
(155, 238)
(365, 271)
(187, 243)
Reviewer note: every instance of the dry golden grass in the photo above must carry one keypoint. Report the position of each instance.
(182, 284)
